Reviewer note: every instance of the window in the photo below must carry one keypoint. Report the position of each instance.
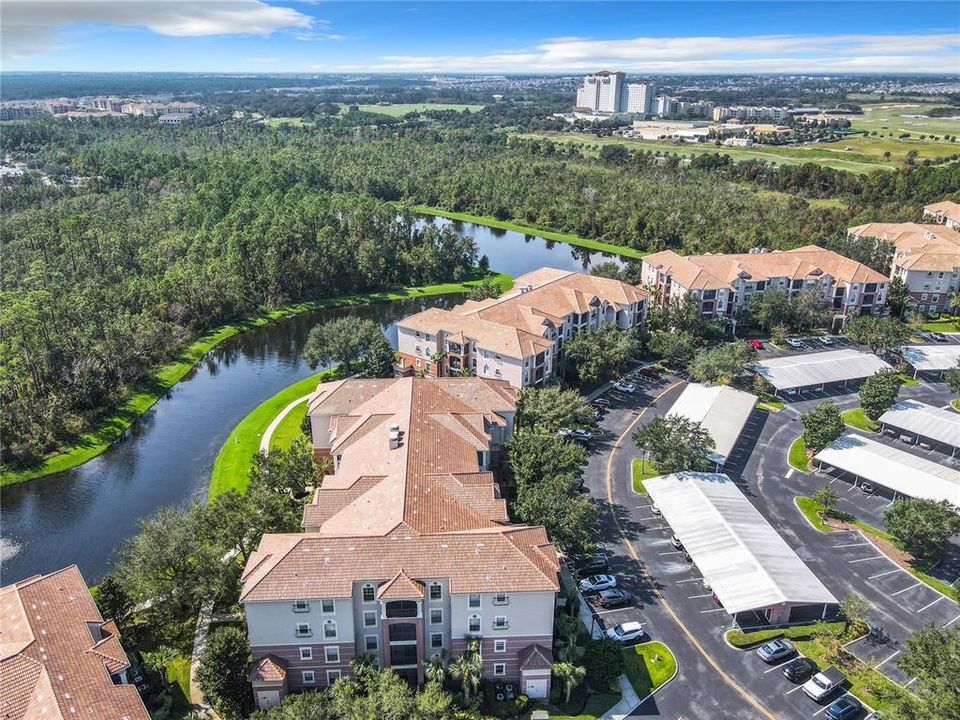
(370, 618)
(500, 623)
(499, 646)
(436, 616)
(371, 642)
(475, 600)
(436, 640)
(330, 630)
(426, 366)
(301, 606)
(306, 653)
(303, 630)
(473, 625)
(369, 593)
(328, 607)
(332, 676)
(436, 591)
(401, 609)
(499, 668)
(403, 632)
(308, 677)
(501, 599)
(923, 296)
(331, 654)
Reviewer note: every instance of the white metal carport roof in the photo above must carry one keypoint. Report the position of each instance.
(931, 357)
(747, 563)
(925, 420)
(900, 471)
(720, 409)
(799, 371)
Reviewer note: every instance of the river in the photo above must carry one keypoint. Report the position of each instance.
(82, 515)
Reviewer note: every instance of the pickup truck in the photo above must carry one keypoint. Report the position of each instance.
(823, 683)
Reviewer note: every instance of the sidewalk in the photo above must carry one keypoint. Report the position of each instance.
(197, 699)
(629, 700)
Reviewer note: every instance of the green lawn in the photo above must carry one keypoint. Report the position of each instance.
(642, 470)
(276, 122)
(955, 403)
(858, 418)
(583, 705)
(941, 325)
(648, 666)
(797, 455)
(235, 458)
(401, 109)
(113, 425)
(887, 119)
(289, 428)
(811, 510)
(909, 379)
(743, 640)
(178, 673)
(518, 226)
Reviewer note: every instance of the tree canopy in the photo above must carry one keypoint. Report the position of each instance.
(923, 526)
(358, 345)
(879, 391)
(675, 443)
(600, 355)
(722, 363)
(878, 333)
(822, 425)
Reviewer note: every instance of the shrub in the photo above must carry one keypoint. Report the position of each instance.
(604, 663)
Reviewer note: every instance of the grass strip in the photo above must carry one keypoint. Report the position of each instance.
(811, 511)
(583, 704)
(797, 455)
(648, 666)
(521, 227)
(289, 428)
(642, 470)
(858, 418)
(115, 423)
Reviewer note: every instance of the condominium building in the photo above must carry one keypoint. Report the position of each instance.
(519, 336)
(642, 98)
(749, 112)
(723, 284)
(603, 92)
(926, 257)
(946, 213)
(58, 657)
(407, 553)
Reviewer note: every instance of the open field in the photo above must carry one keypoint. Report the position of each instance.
(276, 122)
(888, 118)
(401, 109)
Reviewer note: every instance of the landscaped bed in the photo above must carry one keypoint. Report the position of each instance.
(642, 470)
(797, 455)
(858, 418)
(583, 705)
(648, 666)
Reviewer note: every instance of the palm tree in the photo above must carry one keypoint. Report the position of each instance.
(158, 660)
(324, 468)
(433, 670)
(568, 628)
(466, 670)
(954, 302)
(570, 676)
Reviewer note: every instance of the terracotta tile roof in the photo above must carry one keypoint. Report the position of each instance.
(945, 207)
(400, 586)
(536, 657)
(910, 236)
(269, 669)
(926, 261)
(52, 665)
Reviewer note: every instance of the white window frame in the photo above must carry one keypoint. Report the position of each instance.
(436, 635)
(333, 676)
(479, 623)
(309, 677)
(499, 646)
(501, 598)
(439, 588)
(367, 614)
(303, 630)
(306, 653)
(499, 669)
(333, 606)
(439, 613)
(373, 593)
(376, 642)
(327, 624)
(500, 622)
(301, 606)
(470, 598)
(336, 654)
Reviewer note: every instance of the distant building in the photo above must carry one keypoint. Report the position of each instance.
(946, 213)
(175, 118)
(749, 112)
(666, 105)
(13, 111)
(603, 92)
(642, 98)
(113, 104)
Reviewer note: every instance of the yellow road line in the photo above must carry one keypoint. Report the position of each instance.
(663, 602)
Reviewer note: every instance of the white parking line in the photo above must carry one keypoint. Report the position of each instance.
(798, 687)
(905, 589)
(851, 544)
(672, 552)
(875, 667)
(912, 681)
(680, 582)
(952, 621)
(888, 572)
(875, 557)
(694, 597)
(931, 604)
(713, 610)
(789, 473)
(777, 667)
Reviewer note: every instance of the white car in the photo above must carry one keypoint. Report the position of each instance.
(596, 583)
(655, 509)
(794, 343)
(823, 683)
(625, 387)
(626, 632)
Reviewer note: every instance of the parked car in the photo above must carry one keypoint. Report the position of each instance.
(596, 583)
(823, 683)
(676, 542)
(615, 597)
(593, 565)
(625, 387)
(755, 344)
(602, 403)
(828, 340)
(794, 343)
(867, 488)
(938, 336)
(650, 371)
(626, 632)
(577, 435)
(776, 650)
(799, 669)
(845, 708)
(655, 509)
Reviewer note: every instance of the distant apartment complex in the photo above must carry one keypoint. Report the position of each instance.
(519, 336)
(748, 112)
(58, 657)
(723, 284)
(100, 106)
(608, 92)
(407, 552)
(641, 98)
(926, 256)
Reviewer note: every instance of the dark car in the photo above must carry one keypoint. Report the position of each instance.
(845, 708)
(614, 598)
(775, 651)
(938, 336)
(800, 669)
(594, 565)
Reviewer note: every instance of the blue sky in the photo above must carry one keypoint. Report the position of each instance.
(488, 37)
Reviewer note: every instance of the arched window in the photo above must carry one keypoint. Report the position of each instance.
(369, 593)
(436, 591)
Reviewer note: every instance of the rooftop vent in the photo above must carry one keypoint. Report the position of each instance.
(393, 436)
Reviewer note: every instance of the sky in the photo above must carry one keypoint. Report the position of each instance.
(824, 37)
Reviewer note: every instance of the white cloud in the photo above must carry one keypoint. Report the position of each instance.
(934, 52)
(31, 27)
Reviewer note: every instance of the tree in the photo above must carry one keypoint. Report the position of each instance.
(675, 443)
(112, 600)
(723, 363)
(607, 269)
(821, 426)
(434, 670)
(535, 453)
(569, 517)
(286, 471)
(771, 307)
(953, 300)
(808, 309)
(676, 348)
(433, 702)
(778, 334)
(222, 674)
(358, 345)
(552, 408)
(568, 627)
(878, 333)
(826, 497)
(923, 526)
(466, 669)
(373, 693)
(603, 660)
(952, 378)
(485, 289)
(854, 609)
(570, 676)
(157, 660)
(898, 298)
(602, 354)
(932, 655)
(879, 391)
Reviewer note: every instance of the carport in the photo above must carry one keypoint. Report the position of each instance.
(925, 424)
(796, 373)
(933, 359)
(750, 568)
(721, 410)
(898, 471)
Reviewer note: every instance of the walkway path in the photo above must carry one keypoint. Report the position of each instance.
(197, 700)
(268, 433)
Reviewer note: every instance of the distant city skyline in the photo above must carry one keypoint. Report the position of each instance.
(482, 37)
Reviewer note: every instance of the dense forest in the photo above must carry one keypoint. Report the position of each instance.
(163, 232)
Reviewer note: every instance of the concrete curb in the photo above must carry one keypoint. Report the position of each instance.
(611, 714)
